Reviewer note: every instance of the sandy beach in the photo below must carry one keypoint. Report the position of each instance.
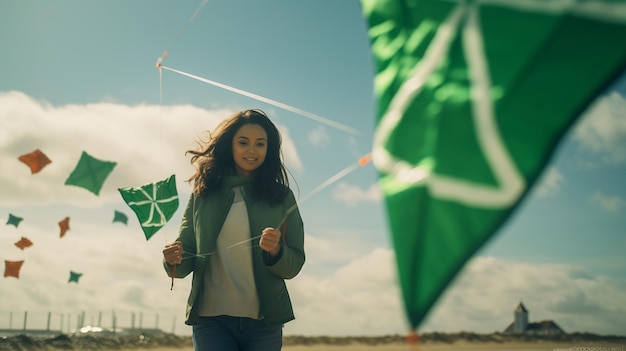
(428, 342)
(455, 346)
(461, 346)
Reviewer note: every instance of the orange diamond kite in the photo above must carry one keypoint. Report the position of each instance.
(35, 160)
(12, 268)
(64, 225)
(24, 243)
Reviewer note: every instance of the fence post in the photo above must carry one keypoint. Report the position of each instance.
(11, 320)
(114, 322)
(25, 318)
(48, 324)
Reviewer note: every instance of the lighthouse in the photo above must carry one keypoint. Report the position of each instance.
(520, 322)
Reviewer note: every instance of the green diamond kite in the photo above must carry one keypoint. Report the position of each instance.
(154, 203)
(90, 173)
(74, 277)
(120, 217)
(14, 220)
(473, 97)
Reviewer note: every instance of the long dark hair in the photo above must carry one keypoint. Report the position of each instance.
(214, 161)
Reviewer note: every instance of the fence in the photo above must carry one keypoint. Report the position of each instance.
(110, 322)
(591, 348)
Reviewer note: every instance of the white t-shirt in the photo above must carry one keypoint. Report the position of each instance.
(229, 287)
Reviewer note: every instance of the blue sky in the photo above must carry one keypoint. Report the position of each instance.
(80, 75)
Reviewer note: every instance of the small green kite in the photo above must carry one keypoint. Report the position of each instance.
(14, 220)
(90, 173)
(74, 277)
(120, 217)
(153, 203)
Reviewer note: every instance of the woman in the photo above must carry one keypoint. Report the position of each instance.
(241, 199)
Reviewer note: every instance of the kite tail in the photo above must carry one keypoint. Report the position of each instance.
(413, 339)
(173, 274)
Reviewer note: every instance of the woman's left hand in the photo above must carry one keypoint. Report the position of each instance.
(270, 241)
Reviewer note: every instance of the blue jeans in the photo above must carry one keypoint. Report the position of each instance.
(225, 333)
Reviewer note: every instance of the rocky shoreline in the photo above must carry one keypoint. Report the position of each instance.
(142, 340)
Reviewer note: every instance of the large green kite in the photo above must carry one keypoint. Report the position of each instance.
(153, 203)
(473, 96)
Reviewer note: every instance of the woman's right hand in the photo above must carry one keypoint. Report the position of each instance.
(173, 253)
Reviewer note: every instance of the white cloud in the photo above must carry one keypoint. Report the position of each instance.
(346, 288)
(603, 128)
(549, 184)
(121, 272)
(362, 298)
(147, 142)
(290, 153)
(485, 295)
(610, 203)
(319, 136)
(352, 195)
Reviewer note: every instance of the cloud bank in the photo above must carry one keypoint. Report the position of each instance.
(338, 292)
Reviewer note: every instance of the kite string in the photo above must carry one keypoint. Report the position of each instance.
(290, 108)
(296, 110)
(309, 115)
(182, 31)
(161, 131)
(333, 179)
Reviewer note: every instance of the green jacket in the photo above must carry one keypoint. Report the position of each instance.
(200, 226)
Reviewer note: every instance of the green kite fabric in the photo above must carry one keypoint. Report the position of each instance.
(472, 99)
(154, 203)
(120, 217)
(74, 277)
(90, 173)
(14, 220)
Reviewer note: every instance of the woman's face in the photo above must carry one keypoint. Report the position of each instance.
(249, 149)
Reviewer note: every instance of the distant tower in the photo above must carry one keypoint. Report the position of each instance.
(520, 323)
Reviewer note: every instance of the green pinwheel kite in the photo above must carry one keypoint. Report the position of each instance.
(154, 203)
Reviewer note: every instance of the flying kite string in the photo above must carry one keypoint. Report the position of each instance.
(180, 34)
(290, 108)
(182, 31)
(363, 161)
